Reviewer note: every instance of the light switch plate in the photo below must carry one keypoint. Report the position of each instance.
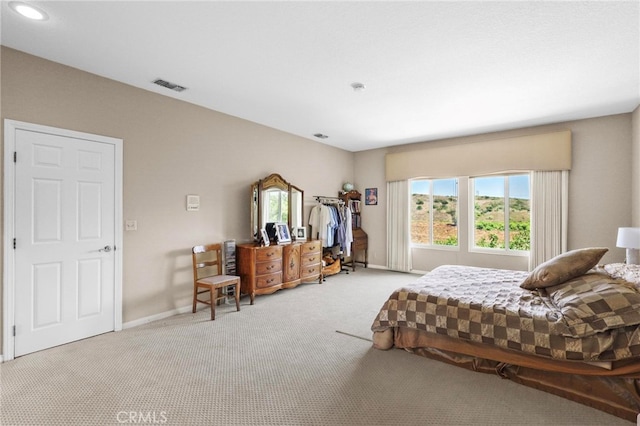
(131, 225)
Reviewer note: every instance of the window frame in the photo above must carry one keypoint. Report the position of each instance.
(506, 251)
(431, 245)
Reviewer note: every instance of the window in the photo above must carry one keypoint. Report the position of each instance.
(494, 225)
(434, 219)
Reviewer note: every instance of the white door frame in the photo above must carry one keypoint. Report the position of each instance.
(8, 279)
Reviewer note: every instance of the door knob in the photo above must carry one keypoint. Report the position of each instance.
(106, 249)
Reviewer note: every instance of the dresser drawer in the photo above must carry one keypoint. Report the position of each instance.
(263, 268)
(310, 271)
(266, 254)
(312, 247)
(264, 281)
(310, 259)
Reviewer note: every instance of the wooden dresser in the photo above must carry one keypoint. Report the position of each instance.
(264, 270)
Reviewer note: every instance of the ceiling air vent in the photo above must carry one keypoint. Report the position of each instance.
(172, 86)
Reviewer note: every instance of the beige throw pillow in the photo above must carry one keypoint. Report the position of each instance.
(563, 267)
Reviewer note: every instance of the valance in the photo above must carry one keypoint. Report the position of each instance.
(542, 152)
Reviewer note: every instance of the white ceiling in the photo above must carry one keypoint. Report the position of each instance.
(432, 69)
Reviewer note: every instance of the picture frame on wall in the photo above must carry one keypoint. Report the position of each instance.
(282, 233)
(371, 196)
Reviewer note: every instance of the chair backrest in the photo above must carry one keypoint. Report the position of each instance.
(207, 260)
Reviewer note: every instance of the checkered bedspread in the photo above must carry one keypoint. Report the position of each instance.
(487, 306)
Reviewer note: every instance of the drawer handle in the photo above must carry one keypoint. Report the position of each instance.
(311, 259)
(270, 280)
(270, 253)
(270, 267)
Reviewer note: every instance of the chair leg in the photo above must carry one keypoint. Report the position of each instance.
(213, 302)
(237, 295)
(195, 298)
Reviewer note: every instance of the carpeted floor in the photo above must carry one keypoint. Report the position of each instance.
(297, 357)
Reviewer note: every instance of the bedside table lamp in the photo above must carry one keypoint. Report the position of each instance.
(629, 238)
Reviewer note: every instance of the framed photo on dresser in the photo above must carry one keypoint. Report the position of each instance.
(265, 237)
(300, 234)
(282, 233)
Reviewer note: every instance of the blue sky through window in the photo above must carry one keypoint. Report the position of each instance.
(494, 186)
(489, 186)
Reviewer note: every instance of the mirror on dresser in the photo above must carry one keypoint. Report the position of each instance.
(273, 199)
(266, 269)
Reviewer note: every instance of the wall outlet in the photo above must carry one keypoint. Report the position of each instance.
(131, 225)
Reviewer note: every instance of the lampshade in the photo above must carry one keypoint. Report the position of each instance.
(628, 238)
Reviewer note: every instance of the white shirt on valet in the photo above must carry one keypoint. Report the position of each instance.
(319, 220)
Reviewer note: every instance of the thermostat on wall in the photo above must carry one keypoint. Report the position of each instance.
(193, 203)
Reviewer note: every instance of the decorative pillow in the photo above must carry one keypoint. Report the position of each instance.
(563, 267)
(626, 272)
(595, 302)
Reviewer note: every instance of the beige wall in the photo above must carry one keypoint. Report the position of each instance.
(171, 149)
(600, 198)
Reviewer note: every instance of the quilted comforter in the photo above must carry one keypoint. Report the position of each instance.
(590, 318)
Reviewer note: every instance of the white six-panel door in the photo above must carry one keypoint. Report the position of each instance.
(65, 239)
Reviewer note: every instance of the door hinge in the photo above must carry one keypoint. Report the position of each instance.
(14, 243)
(15, 156)
(14, 331)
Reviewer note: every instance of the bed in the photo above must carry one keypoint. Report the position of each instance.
(570, 327)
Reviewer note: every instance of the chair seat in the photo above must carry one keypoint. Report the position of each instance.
(219, 280)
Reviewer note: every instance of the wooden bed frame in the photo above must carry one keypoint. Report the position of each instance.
(610, 387)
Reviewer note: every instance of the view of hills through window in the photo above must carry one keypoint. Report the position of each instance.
(491, 217)
(440, 216)
(445, 212)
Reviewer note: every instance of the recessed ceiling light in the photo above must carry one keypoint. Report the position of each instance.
(320, 136)
(28, 11)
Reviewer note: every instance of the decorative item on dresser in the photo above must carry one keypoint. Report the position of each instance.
(360, 244)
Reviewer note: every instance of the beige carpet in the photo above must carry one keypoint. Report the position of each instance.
(279, 362)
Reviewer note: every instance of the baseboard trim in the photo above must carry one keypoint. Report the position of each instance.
(156, 317)
(376, 266)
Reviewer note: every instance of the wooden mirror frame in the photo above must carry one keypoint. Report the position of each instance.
(295, 216)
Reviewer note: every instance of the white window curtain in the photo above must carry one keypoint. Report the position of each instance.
(549, 213)
(398, 236)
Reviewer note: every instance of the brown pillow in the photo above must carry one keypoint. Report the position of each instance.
(563, 267)
(595, 302)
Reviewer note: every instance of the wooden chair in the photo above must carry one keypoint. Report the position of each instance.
(207, 277)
